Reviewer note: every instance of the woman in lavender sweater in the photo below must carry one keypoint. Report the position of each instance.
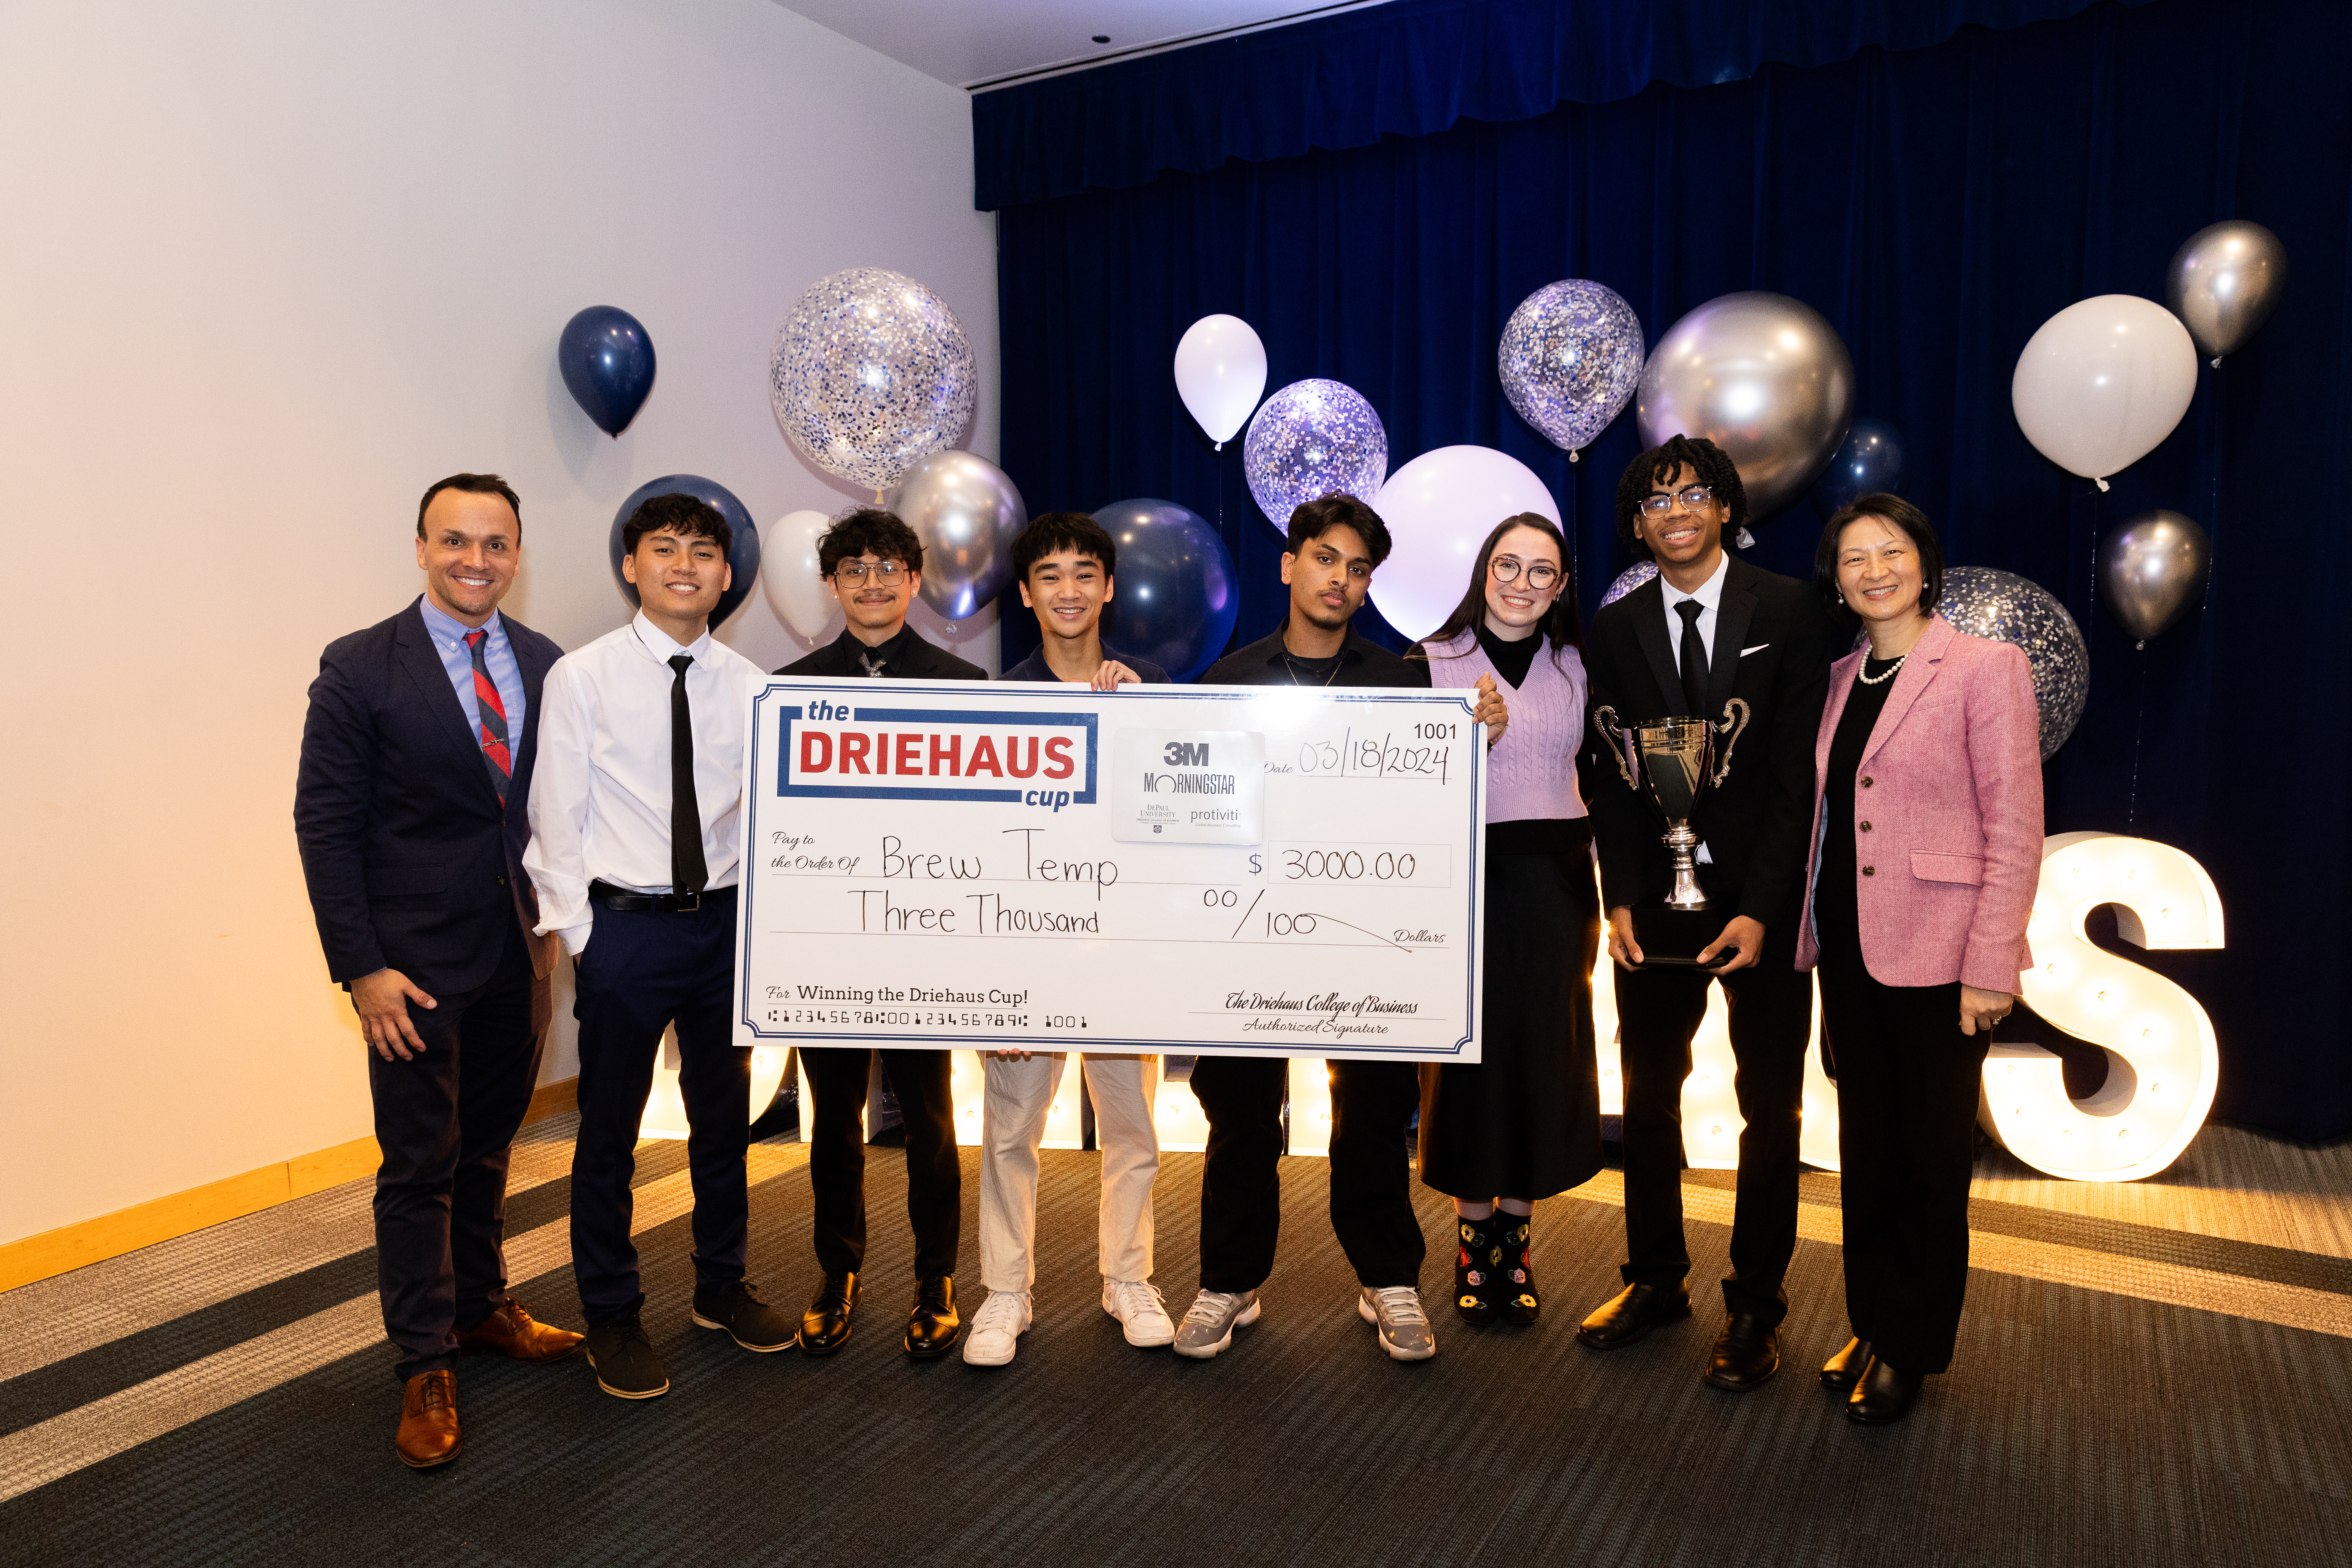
(1524, 1123)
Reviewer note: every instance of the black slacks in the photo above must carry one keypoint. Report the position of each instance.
(445, 1121)
(837, 1078)
(640, 971)
(1772, 1009)
(1907, 1083)
(1371, 1180)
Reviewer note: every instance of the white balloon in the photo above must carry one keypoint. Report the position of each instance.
(2103, 382)
(1439, 508)
(790, 575)
(1220, 373)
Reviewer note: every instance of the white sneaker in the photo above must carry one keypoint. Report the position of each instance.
(1137, 1305)
(1403, 1327)
(996, 1327)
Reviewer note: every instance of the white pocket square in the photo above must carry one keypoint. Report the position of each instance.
(1759, 648)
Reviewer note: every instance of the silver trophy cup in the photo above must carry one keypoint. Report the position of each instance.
(1672, 764)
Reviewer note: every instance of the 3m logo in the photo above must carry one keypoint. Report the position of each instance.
(1184, 755)
(829, 749)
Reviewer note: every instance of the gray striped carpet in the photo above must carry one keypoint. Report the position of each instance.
(2081, 1425)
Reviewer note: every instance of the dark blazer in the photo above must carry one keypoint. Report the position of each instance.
(1757, 826)
(919, 660)
(409, 861)
(1361, 663)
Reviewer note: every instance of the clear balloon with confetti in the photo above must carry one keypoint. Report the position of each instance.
(1310, 439)
(871, 374)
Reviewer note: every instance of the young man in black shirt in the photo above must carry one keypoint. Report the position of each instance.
(874, 563)
(1336, 543)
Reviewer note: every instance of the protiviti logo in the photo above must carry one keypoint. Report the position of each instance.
(828, 748)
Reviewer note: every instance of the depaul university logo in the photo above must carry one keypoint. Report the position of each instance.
(833, 749)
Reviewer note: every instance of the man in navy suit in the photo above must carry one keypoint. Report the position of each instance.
(410, 810)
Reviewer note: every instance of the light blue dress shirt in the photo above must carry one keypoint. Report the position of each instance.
(448, 634)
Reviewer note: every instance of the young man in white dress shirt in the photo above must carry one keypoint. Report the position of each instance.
(632, 815)
(1062, 562)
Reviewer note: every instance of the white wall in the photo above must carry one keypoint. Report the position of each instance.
(265, 270)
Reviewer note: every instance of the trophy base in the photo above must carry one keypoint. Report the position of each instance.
(1671, 936)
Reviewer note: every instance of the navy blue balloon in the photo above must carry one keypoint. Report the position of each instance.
(1870, 462)
(1174, 592)
(742, 550)
(607, 358)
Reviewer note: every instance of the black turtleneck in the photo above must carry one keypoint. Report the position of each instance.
(1512, 660)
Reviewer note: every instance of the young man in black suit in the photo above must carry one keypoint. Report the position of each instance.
(1336, 543)
(410, 813)
(1709, 628)
(874, 563)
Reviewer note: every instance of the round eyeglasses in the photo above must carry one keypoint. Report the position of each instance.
(1693, 497)
(1541, 574)
(889, 573)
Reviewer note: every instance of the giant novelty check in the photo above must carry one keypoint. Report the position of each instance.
(1218, 870)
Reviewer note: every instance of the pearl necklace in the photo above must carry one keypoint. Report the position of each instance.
(1883, 679)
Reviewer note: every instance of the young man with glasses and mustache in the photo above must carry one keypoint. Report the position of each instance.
(873, 563)
(1708, 628)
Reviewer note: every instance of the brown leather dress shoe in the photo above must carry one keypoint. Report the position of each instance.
(512, 1332)
(428, 1421)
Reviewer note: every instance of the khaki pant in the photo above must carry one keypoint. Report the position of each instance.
(1013, 1122)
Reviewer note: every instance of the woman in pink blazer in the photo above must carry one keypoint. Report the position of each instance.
(1927, 848)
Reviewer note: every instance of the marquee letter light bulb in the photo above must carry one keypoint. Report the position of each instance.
(2162, 1062)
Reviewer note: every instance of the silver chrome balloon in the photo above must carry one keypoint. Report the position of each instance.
(871, 374)
(1763, 376)
(2150, 566)
(2224, 282)
(2005, 607)
(967, 513)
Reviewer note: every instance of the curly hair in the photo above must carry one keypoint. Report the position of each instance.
(868, 531)
(1696, 453)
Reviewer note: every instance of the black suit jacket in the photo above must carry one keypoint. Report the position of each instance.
(1756, 827)
(919, 660)
(409, 861)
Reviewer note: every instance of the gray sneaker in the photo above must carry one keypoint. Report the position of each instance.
(1209, 1327)
(1396, 1312)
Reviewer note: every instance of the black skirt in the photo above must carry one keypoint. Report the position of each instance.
(1525, 1121)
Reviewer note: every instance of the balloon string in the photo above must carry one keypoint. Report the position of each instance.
(2139, 729)
(2213, 528)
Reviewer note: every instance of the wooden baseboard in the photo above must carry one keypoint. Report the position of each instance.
(72, 1247)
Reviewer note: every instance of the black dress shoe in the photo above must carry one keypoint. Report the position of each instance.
(824, 1327)
(933, 1327)
(1843, 1370)
(1884, 1396)
(1747, 1355)
(1632, 1312)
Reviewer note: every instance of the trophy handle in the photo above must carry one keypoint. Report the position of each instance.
(1605, 725)
(1734, 721)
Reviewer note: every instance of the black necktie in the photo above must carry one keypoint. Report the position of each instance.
(687, 870)
(1694, 658)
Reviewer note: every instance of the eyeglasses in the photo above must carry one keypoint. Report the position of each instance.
(854, 573)
(1541, 574)
(1693, 497)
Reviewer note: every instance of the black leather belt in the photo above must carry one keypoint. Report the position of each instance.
(623, 899)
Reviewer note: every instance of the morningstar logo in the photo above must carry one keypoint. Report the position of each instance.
(834, 749)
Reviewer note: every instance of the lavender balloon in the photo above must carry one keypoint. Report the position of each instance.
(1628, 580)
(1310, 439)
(1570, 358)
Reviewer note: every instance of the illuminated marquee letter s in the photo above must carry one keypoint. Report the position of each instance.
(2161, 1059)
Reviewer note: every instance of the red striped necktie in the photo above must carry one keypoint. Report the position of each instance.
(493, 710)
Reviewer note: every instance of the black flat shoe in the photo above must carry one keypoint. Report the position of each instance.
(1632, 1312)
(1521, 1302)
(1884, 1396)
(1476, 1257)
(824, 1327)
(1843, 1370)
(933, 1327)
(1746, 1356)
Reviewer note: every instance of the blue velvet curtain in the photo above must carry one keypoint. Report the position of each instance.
(1937, 204)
